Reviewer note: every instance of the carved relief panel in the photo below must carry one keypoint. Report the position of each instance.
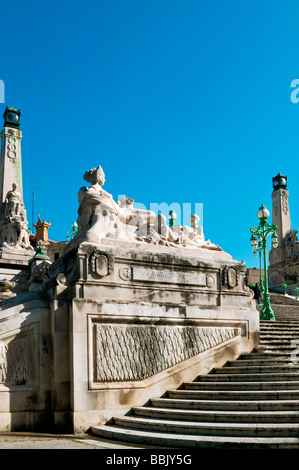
(19, 359)
(134, 352)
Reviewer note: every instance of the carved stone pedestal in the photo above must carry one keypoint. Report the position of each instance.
(141, 321)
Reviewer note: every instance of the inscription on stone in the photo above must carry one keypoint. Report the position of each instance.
(175, 277)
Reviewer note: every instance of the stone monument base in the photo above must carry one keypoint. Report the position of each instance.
(144, 319)
(112, 326)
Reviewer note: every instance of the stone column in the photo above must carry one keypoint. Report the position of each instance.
(14, 235)
(281, 212)
(281, 218)
(11, 163)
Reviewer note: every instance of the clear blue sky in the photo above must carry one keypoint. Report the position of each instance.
(178, 101)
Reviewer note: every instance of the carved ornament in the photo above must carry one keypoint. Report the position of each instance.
(230, 276)
(100, 264)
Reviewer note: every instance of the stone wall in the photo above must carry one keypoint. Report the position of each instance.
(25, 364)
(253, 276)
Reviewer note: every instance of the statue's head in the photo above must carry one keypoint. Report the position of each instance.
(95, 175)
(194, 219)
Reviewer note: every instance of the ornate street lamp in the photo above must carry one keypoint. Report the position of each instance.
(285, 288)
(172, 216)
(73, 232)
(297, 292)
(260, 233)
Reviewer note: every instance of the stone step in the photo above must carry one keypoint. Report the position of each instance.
(234, 395)
(281, 352)
(218, 416)
(267, 355)
(280, 341)
(258, 383)
(278, 351)
(291, 314)
(286, 320)
(279, 334)
(275, 343)
(290, 367)
(291, 317)
(262, 361)
(259, 377)
(282, 345)
(271, 355)
(281, 349)
(162, 439)
(210, 428)
(275, 327)
(277, 323)
(236, 405)
(274, 335)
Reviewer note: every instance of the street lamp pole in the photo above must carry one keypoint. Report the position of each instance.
(260, 234)
(285, 288)
(259, 249)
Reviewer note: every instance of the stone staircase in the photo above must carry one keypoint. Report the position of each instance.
(252, 402)
(285, 307)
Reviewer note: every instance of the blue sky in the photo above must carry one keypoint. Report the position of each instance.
(178, 101)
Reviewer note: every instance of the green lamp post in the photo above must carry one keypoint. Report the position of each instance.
(261, 232)
(297, 292)
(258, 247)
(285, 288)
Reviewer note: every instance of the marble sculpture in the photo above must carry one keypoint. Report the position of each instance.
(100, 217)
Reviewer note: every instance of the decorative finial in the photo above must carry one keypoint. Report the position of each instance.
(12, 117)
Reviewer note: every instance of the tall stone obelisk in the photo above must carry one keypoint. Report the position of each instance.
(14, 235)
(284, 260)
(11, 163)
(281, 211)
